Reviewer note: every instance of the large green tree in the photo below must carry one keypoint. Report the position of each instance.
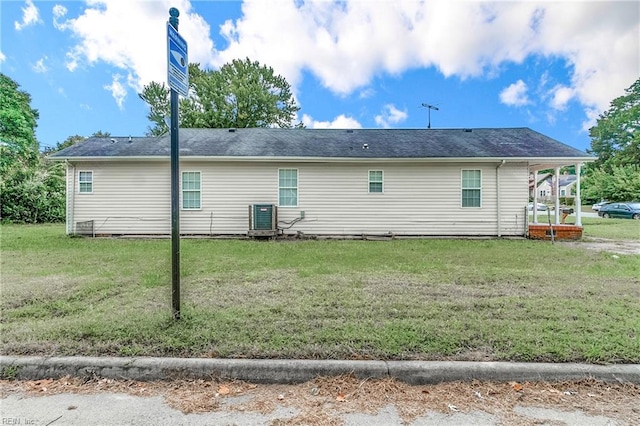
(240, 94)
(18, 122)
(31, 190)
(615, 140)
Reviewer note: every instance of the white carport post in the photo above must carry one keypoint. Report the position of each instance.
(578, 200)
(535, 196)
(556, 190)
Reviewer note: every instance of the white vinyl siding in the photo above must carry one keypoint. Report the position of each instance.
(288, 187)
(376, 181)
(421, 198)
(471, 188)
(191, 192)
(85, 182)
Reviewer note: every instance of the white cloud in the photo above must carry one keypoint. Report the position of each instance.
(390, 115)
(346, 44)
(30, 16)
(515, 94)
(39, 66)
(59, 12)
(340, 122)
(117, 90)
(131, 36)
(367, 93)
(561, 95)
(2, 57)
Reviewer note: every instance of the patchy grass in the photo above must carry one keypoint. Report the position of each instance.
(402, 299)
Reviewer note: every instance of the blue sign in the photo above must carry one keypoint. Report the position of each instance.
(177, 61)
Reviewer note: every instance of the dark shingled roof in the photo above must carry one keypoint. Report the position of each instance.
(333, 143)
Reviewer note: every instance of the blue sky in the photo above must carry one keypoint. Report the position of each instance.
(551, 66)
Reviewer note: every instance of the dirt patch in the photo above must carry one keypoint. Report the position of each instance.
(324, 400)
(603, 244)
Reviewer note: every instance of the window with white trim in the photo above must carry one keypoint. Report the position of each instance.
(471, 188)
(191, 191)
(376, 181)
(85, 182)
(288, 187)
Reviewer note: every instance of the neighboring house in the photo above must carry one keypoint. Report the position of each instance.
(413, 182)
(534, 185)
(566, 187)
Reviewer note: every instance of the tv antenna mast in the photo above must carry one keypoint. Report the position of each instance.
(429, 108)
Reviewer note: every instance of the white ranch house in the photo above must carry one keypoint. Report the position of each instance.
(402, 182)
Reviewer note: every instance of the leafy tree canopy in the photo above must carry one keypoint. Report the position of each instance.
(18, 122)
(240, 94)
(622, 183)
(31, 190)
(615, 139)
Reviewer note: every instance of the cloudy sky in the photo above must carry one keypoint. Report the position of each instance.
(553, 66)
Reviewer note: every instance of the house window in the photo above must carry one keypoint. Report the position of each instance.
(191, 190)
(375, 180)
(563, 192)
(471, 188)
(287, 187)
(85, 182)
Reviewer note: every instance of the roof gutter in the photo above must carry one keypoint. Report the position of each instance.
(183, 158)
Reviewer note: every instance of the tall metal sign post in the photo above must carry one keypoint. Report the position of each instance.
(178, 77)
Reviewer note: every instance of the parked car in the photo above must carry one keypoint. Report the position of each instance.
(622, 210)
(596, 206)
(540, 207)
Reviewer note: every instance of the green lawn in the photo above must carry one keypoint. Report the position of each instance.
(400, 299)
(617, 229)
(597, 227)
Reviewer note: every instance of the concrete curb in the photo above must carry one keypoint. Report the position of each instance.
(299, 371)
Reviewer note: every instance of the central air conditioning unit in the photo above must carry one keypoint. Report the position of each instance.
(263, 220)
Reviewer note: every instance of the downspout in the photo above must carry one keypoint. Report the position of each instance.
(71, 176)
(498, 203)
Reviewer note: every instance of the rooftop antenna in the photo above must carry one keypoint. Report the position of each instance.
(429, 108)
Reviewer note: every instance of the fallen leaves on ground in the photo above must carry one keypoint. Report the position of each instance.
(318, 400)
